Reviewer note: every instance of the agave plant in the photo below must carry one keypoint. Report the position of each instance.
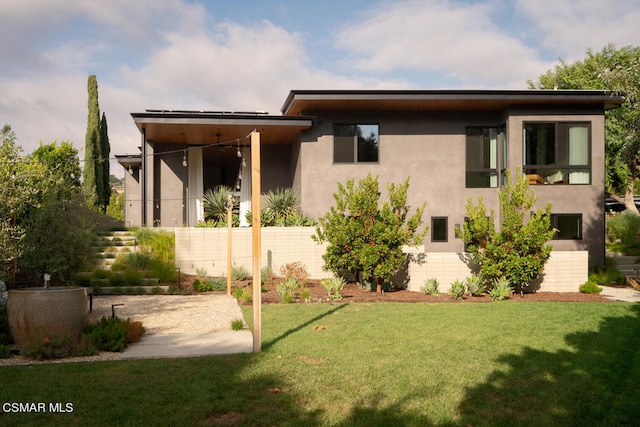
(215, 203)
(282, 203)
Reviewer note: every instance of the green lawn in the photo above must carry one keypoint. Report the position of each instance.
(371, 364)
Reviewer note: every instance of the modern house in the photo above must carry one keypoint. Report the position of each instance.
(453, 144)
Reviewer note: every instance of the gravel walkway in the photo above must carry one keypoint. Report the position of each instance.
(172, 314)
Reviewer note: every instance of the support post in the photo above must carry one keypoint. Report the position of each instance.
(256, 243)
(229, 219)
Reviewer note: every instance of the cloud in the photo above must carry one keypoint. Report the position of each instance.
(570, 28)
(457, 39)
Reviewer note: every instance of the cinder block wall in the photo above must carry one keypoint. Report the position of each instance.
(206, 248)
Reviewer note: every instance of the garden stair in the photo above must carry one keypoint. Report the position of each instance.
(628, 265)
(113, 243)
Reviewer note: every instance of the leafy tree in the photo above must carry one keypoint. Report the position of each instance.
(617, 70)
(61, 161)
(115, 209)
(366, 237)
(519, 250)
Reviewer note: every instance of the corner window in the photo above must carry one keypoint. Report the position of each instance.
(481, 157)
(439, 229)
(557, 153)
(355, 143)
(568, 226)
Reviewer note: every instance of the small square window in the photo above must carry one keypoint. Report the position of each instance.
(439, 229)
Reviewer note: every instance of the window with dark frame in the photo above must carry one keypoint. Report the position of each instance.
(557, 152)
(439, 229)
(481, 158)
(568, 226)
(356, 143)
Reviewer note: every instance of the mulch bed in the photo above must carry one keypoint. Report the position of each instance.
(353, 293)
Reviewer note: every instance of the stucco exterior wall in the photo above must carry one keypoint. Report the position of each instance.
(430, 149)
(133, 198)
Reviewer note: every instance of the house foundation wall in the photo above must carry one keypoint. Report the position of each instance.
(206, 248)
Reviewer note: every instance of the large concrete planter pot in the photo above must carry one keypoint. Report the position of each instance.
(40, 312)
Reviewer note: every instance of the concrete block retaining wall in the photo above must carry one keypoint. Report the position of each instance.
(206, 248)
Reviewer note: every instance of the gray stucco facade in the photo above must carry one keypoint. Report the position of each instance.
(423, 135)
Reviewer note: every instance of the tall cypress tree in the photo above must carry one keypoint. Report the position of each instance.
(105, 150)
(92, 148)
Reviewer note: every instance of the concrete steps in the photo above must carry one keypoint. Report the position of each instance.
(111, 244)
(628, 265)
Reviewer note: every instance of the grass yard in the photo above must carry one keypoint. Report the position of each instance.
(370, 364)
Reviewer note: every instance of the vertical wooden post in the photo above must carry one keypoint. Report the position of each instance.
(229, 220)
(256, 243)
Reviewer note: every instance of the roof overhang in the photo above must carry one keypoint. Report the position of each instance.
(301, 102)
(129, 160)
(204, 128)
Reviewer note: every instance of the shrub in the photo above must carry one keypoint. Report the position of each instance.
(173, 290)
(295, 270)
(623, 227)
(135, 330)
(82, 279)
(475, 285)
(501, 290)
(237, 325)
(135, 260)
(266, 274)
(100, 273)
(201, 274)
(604, 277)
(519, 250)
(305, 294)
(240, 273)
(201, 286)
(157, 290)
(590, 287)
(431, 287)
(132, 277)
(247, 295)
(55, 346)
(334, 286)
(218, 283)
(215, 205)
(109, 334)
(5, 351)
(366, 236)
(116, 279)
(159, 244)
(457, 289)
(286, 290)
(163, 271)
(237, 293)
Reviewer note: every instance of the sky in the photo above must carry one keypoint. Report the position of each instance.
(246, 55)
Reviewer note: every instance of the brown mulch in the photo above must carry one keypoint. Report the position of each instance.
(353, 293)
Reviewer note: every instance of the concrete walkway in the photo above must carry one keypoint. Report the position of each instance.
(620, 294)
(190, 345)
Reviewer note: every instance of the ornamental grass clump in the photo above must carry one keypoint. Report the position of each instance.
(286, 290)
(590, 287)
(431, 287)
(334, 286)
(501, 290)
(475, 285)
(457, 289)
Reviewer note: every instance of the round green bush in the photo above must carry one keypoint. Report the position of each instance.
(590, 287)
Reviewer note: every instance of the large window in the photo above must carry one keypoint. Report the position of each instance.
(557, 153)
(568, 226)
(482, 157)
(355, 143)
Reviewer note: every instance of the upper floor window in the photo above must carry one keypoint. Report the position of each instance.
(481, 157)
(557, 153)
(355, 143)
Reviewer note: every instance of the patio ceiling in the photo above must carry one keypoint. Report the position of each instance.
(204, 128)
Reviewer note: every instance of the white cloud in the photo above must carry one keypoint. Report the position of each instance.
(571, 27)
(457, 39)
